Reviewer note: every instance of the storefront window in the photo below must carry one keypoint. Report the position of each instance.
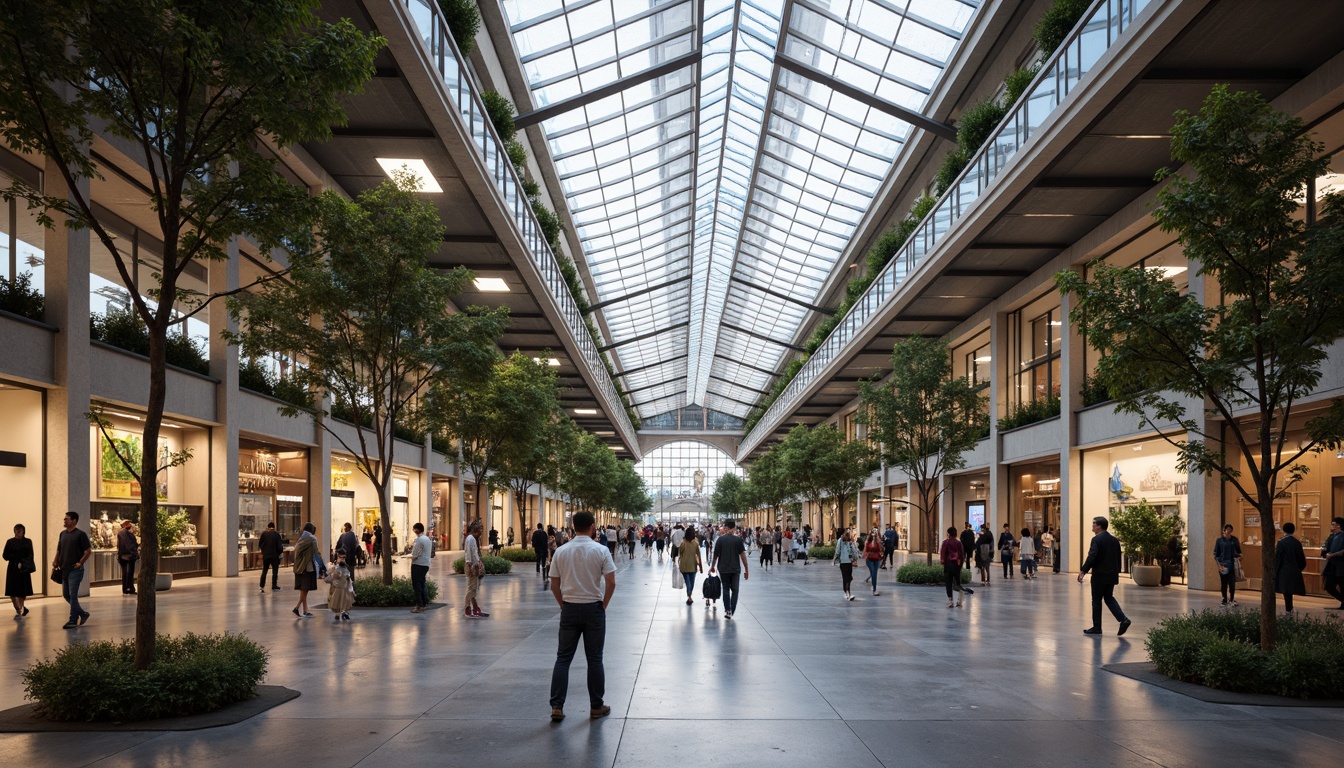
(22, 472)
(1033, 498)
(1119, 475)
(272, 488)
(969, 499)
(184, 489)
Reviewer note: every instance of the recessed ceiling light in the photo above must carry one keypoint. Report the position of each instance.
(605, 434)
(585, 411)
(985, 359)
(550, 361)
(1168, 271)
(416, 167)
(491, 285)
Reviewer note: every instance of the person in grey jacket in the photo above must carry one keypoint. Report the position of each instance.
(1103, 561)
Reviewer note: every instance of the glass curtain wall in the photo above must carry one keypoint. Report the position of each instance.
(681, 476)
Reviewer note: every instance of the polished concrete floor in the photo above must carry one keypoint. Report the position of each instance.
(797, 678)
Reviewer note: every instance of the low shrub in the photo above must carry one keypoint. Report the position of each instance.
(518, 555)
(371, 592)
(19, 297)
(464, 22)
(1221, 649)
(1030, 413)
(191, 674)
(493, 565)
(123, 329)
(1056, 24)
(821, 552)
(924, 573)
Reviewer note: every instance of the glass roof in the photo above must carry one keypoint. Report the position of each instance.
(729, 181)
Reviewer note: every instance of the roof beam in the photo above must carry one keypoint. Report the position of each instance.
(654, 385)
(656, 399)
(644, 336)
(1014, 273)
(762, 337)
(739, 385)
(758, 369)
(942, 130)
(343, 132)
(636, 294)
(783, 296)
(642, 368)
(560, 107)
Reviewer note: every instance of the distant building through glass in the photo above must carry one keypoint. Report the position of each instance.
(681, 477)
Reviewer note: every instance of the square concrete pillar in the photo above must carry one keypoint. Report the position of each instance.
(997, 493)
(1072, 531)
(223, 277)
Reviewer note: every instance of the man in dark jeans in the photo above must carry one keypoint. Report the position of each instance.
(583, 579)
(350, 543)
(1103, 560)
(730, 560)
(1332, 576)
(272, 549)
(888, 546)
(541, 545)
(72, 551)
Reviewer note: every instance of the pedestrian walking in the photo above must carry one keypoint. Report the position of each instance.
(689, 563)
(631, 538)
(1290, 561)
(1103, 561)
(583, 579)
(1226, 552)
(968, 543)
(767, 540)
(128, 553)
(494, 541)
(873, 552)
(377, 544)
(350, 543)
(422, 551)
(730, 560)
(308, 567)
(846, 554)
(1026, 553)
(1006, 545)
(341, 595)
(72, 551)
(474, 567)
(984, 553)
(888, 546)
(1332, 573)
(19, 568)
(540, 546)
(951, 555)
(509, 536)
(272, 549)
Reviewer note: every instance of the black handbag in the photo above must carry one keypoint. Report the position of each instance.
(27, 565)
(57, 575)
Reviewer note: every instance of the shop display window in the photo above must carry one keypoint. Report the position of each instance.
(272, 488)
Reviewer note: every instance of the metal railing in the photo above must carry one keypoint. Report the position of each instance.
(447, 62)
(1094, 35)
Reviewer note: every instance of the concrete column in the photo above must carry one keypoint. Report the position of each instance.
(223, 458)
(319, 478)
(69, 463)
(1205, 496)
(1001, 368)
(1071, 512)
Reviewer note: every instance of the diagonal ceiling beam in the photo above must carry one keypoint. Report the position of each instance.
(762, 337)
(756, 368)
(636, 294)
(783, 296)
(640, 369)
(737, 384)
(560, 107)
(657, 399)
(644, 336)
(942, 130)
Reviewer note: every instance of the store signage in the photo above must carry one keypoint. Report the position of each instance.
(13, 459)
(258, 472)
(338, 494)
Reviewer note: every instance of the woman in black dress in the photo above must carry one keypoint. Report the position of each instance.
(18, 581)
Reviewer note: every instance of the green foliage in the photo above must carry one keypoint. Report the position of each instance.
(551, 229)
(728, 500)
(123, 329)
(925, 420)
(530, 188)
(923, 573)
(519, 554)
(500, 111)
(373, 593)
(254, 376)
(172, 527)
(1058, 21)
(795, 365)
(821, 463)
(517, 155)
(493, 565)
(821, 552)
(1016, 83)
(464, 21)
(1258, 352)
(886, 247)
(1220, 649)
(19, 297)
(953, 164)
(1143, 532)
(98, 681)
(1030, 413)
(977, 124)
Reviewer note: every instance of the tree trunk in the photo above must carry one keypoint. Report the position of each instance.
(520, 500)
(385, 514)
(146, 602)
(1269, 628)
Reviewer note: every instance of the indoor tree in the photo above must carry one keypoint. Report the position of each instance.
(589, 474)
(818, 460)
(1252, 350)
(193, 93)
(526, 458)
(771, 485)
(374, 323)
(924, 419)
(846, 470)
(727, 500)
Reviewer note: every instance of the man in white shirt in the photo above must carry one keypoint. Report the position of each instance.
(421, 551)
(474, 567)
(611, 538)
(678, 535)
(583, 578)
